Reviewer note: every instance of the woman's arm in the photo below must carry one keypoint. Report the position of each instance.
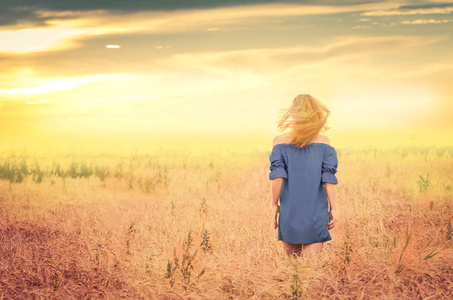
(330, 190)
(276, 189)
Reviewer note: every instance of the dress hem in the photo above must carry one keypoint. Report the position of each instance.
(304, 242)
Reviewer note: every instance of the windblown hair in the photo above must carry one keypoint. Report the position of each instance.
(305, 118)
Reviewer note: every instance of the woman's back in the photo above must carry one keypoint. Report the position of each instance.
(303, 199)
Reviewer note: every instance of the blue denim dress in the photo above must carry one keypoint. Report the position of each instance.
(303, 199)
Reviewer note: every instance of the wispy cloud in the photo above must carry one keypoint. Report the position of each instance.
(422, 21)
(359, 26)
(63, 84)
(277, 58)
(412, 10)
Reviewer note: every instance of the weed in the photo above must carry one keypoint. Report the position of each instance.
(171, 269)
(449, 233)
(325, 264)
(206, 243)
(38, 175)
(429, 243)
(213, 178)
(203, 207)
(23, 167)
(19, 176)
(102, 173)
(73, 169)
(399, 268)
(172, 208)
(163, 177)
(345, 254)
(187, 261)
(7, 172)
(56, 168)
(423, 183)
(185, 267)
(148, 185)
(295, 286)
(56, 285)
(430, 255)
(131, 227)
(119, 170)
(85, 171)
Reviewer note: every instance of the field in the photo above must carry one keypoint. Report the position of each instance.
(172, 225)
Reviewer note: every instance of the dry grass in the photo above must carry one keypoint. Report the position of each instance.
(122, 237)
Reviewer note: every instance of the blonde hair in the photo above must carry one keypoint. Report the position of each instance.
(305, 118)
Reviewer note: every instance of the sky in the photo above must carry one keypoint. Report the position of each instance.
(121, 75)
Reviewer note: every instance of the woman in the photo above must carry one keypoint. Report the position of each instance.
(303, 167)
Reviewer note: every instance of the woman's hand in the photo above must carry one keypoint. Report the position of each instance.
(332, 219)
(277, 211)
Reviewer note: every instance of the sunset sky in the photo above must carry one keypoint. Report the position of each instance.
(127, 74)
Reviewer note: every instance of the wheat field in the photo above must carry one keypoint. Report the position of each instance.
(177, 225)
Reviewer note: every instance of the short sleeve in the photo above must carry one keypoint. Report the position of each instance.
(329, 166)
(278, 166)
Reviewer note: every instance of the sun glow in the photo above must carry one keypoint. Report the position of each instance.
(63, 84)
(38, 39)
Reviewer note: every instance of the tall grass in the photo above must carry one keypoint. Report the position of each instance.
(176, 225)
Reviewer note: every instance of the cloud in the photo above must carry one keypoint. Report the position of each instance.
(17, 11)
(345, 64)
(430, 21)
(443, 8)
(63, 84)
(11, 12)
(37, 40)
(428, 5)
(341, 47)
(63, 30)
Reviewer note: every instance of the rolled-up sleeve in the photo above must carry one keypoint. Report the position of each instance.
(278, 165)
(329, 166)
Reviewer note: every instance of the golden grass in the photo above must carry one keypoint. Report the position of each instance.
(84, 238)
